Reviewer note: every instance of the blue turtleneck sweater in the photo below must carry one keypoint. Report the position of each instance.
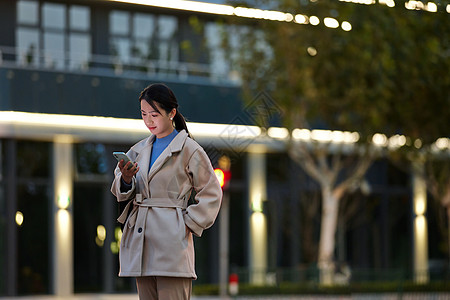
(159, 145)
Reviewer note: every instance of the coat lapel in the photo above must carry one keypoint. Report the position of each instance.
(175, 146)
(143, 158)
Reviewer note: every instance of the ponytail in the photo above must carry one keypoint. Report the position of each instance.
(180, 123)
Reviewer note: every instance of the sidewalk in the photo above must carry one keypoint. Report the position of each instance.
(393, 296)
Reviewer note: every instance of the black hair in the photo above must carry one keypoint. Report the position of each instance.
(163, 95)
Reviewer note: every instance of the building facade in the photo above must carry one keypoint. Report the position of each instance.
(70, 76)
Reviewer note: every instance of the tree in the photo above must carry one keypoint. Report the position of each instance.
(371, 79)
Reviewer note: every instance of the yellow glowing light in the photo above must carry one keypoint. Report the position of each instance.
(220, 176)
(397, 141)
(311, 51)
(313, 20)
(70, 121)
(379, 139)
(257, 203)
(196, 6)
(431, 7)
(118, 233)
(63, 223)
(99, 242)
(115, 247)
(346, 26)
(19, 218)
(278, 133)
(101, 232)
(421, 224)
(257, 206)
(366, 2)
(301, 134)
(331, 22)
(388, 3)
(418, 143)
(301, 19)
(63, 201)
(226, 131)
(420, 206)
(442, 143)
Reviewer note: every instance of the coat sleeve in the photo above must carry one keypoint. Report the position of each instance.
(202, 214)
(115, 187)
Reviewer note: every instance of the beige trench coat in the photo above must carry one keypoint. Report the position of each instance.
(155, 241)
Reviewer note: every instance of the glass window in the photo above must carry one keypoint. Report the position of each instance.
(54, 41)
(27, 12)
(33, 238)
(54, 16)
(217, 56)
(88, 248)
(167, 26)
(33, 200)
(121, 47)
(91, 159)
(79, 18)
(54, 50)
(168, 48)
(80, 49)
(143, 26)
(119, 22)
(27, 40)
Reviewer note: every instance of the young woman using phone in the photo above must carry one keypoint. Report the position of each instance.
(157, 244)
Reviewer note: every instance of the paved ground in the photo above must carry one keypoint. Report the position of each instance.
(414, 296)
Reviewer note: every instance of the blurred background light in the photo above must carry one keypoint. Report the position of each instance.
(313, 20)
(379, 139)
(346, 26)
(278, 132)
(331, 22)
(301, 19)
(19, 218)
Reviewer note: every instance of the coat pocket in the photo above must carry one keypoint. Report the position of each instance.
(182, 228)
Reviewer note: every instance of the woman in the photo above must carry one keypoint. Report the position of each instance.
(157, 245)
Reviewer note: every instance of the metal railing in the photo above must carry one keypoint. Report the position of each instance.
(109, 64)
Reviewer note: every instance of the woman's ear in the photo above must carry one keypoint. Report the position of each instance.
(172, 113)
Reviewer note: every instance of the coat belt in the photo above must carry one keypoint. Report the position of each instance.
(139, 203)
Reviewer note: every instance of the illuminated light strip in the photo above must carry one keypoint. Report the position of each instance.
(326, 136)
(263, 14)
(411, 5)
(202, 7)
(419, 5)
(224, 131)
(70, 121)
(366, 2)
(222, 9)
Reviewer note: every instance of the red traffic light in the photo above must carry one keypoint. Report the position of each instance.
(222, 176)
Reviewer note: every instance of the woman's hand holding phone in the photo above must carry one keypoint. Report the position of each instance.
(127, 168)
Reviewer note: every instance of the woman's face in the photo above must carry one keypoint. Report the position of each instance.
(159, 124)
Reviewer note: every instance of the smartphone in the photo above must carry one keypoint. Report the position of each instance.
(121, 155)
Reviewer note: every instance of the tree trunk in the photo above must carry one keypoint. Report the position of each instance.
(330, 209)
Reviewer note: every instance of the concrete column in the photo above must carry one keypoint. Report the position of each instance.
(63, 219)
(258, 221)
(420, 223)
(224, 235)
(11, 226)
